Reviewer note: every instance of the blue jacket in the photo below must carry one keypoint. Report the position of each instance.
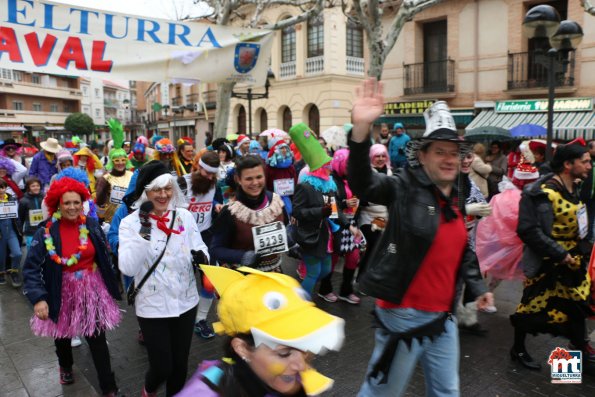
(43, 277)
(396, 149)
(42, 168)
(121, 213)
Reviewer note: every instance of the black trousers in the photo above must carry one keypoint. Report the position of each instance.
(101, 359)
(168, 344)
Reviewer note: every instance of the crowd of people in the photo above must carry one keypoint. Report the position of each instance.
(428, 226)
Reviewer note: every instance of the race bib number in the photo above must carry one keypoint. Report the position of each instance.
(35, 217)
(270, 239)
(284, 187)
(583, 222)
(200, 210)
(117, 195)
(9, 210)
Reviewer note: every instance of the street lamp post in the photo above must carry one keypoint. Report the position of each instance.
(543, 21)
(249, 95)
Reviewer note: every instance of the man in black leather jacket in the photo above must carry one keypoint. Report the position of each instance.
(419, 265)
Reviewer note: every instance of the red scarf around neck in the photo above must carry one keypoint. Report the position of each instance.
(162, 222)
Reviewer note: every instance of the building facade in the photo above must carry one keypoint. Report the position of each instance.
(33, 105)
(474, 55)
(316, 66)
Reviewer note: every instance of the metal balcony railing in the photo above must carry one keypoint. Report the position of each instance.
(429, 77)
(177, 101)
(530, 70)
(191, 98)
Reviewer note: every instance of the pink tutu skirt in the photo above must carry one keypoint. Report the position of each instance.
(86, 308)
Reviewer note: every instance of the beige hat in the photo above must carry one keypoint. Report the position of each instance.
(51, 145)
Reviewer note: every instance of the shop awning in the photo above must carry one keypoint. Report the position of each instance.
(462, 119)
(567, 125)
(12, 128)
(54, 128)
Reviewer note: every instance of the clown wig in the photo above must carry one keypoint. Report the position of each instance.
(61, 186)
(377, 149)
(7, 164)
(339, 162)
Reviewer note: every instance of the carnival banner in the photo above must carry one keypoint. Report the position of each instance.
(46, 37)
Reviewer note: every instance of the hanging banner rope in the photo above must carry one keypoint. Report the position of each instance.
(46, 37)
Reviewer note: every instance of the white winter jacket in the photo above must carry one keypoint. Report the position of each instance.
(171, 289)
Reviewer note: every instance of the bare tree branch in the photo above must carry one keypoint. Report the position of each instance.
(406, 12)
(312, 12)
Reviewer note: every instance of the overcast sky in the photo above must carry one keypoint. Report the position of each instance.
(165, 9)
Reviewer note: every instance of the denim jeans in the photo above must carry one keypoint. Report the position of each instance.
(316, 269)
(9, 243)
(439, 358)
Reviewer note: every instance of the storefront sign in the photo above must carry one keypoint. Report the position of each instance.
(51, 38)
(413, 107)
(540, 105)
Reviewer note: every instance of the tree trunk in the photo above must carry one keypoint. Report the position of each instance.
(376, 66)
(223, 107)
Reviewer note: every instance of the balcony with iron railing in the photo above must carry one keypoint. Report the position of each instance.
(314, 65)
(210, 99)
(287, 70)
(528, 70)
(177, 101)
(191, 98)
(111, 103)
(429, 77)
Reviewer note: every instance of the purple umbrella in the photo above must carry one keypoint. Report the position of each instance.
(528, 130)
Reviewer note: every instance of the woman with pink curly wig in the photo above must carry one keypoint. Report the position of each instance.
(69, 279)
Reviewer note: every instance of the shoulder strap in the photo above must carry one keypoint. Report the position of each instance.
(150, 271)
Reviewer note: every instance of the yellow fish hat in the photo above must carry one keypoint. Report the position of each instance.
(273, 308)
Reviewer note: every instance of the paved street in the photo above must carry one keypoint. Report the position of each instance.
(30, 368)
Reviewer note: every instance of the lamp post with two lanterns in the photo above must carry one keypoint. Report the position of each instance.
(543, 21)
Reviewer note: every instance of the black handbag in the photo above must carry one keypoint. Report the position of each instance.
(132, 290)
(307, 236)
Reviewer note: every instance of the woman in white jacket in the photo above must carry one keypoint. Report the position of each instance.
(166, 304)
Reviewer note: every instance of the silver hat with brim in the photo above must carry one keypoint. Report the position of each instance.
(440, 126)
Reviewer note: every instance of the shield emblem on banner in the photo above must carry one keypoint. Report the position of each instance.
(246, 55)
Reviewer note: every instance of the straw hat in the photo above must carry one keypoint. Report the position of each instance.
(51, 145)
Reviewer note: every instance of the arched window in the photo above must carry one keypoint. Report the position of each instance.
(288, 44)
(264, 120)
(354, 40)
(242, 120)
(287, 121)
(314, 119)
(316, 36)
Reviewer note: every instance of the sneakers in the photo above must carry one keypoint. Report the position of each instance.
(330, 297)
(75, 342)
(2, 278)
(489, 309)
(15, 278)
(351, 298)
(203, 329)
(66, 376)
